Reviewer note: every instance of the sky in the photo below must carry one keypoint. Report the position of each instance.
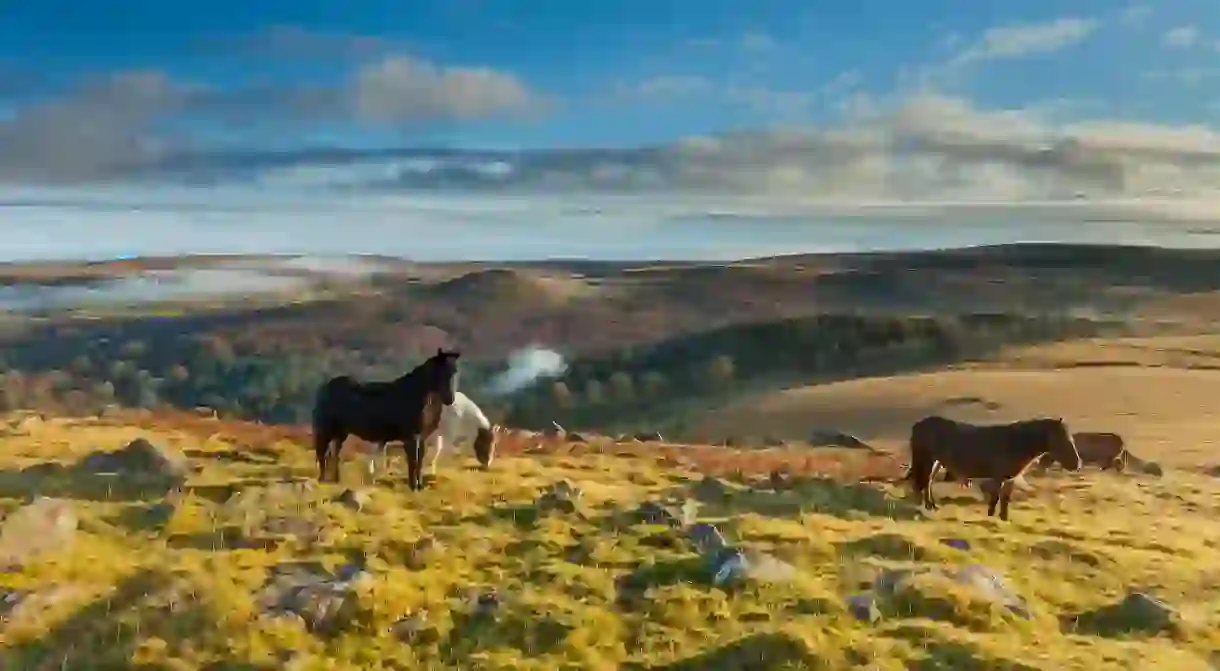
(789, 100)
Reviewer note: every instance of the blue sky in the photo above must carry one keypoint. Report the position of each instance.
(120, 81)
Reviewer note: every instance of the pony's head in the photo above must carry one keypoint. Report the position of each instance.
(1060, 444)
(443, 369)
(485, 444)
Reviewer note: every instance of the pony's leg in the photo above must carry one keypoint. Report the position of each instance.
(1005, 496)
(376, 460)
(411, 447)
(321, 449)
(930, 500)
(436, 456)
(333, 458)
(994, 491)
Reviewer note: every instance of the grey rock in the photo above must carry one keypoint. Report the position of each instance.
(355, 499)
(864, 607)
(653, 512)
(729, 565)
(710, 488)
(43, 526)
(991, 586)
(835, 438)
(139, 458)
(956, 543)
(706, 538)
(1152, 468)
(409, 627)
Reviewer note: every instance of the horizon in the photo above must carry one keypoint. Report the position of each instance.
(938, 113)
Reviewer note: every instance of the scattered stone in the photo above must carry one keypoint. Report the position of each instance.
(326, 604)
(706, 538)
(23, 605)
(955, 543)
(729, 565)
(357, 500)
(864, 607)
(43, 526)
(773, 441)
(485, 603)
(407, 628)
(648, 437)
(991, 586)
(562, 496)
(652, 512)
(1138, 611)
(574, 437)
(139, 458)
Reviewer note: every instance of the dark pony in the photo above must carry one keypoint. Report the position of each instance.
(998, 453)
(407, 410)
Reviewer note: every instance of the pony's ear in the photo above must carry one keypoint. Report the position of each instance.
(440, 351)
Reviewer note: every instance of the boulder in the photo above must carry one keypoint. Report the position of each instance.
(43, 526)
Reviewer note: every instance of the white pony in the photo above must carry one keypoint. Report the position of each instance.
(463, 419)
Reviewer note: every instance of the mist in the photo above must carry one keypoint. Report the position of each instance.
(526, 366)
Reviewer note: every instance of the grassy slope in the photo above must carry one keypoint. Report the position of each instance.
(1158, 392)
(177, 599)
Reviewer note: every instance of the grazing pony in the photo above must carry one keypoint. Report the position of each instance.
(458, 421)
(407, 409)
(1103, 449)
(1000, 453)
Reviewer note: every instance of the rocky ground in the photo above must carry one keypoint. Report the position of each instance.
(177, 551)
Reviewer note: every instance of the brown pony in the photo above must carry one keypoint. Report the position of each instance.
(997, 452)
(1103, 449)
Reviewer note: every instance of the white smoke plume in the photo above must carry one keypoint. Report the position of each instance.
(526, 365)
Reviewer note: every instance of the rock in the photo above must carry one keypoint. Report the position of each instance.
(652, 512)
(1152, 468)
(139, 458)
(834, 438)
(648, 437)
(407, 628)
(864, 607)
(956, 543)
(324, 603)
(355, 499)
(990, 586)
(485, 603)
(710, 488)
(729, 565)
(574, 437)
(43, 526)
(773, 441)
(706, 538)
(562, 496)
(21, 605)
(1138, 611)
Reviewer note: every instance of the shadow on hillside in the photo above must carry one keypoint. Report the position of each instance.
(941, 654)
(94, 637)
(74, 482)
(774, 650)
(820, 495)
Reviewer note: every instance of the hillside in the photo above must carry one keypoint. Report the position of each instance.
(1158, 392)
(254, 567)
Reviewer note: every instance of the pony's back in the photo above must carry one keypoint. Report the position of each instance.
(463, 417)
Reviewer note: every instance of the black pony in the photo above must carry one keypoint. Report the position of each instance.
(407, 409)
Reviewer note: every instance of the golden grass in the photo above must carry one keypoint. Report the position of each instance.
(171, 594)
(1159, 393)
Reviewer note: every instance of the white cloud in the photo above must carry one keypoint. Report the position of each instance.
(1182, 37)
(1135, 15)
(113, 124)
(1019, 40)
(404, 88)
